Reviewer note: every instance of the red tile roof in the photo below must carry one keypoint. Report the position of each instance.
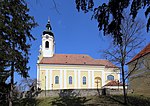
(75, 59)
(142, 53)
(113, 83)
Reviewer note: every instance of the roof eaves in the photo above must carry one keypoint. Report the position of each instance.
(71, 64)
(137, 58)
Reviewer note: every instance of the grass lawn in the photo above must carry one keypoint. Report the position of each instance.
(115, 100)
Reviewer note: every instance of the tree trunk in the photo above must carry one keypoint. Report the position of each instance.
(124, 89)
(11, 80)
(11, 84)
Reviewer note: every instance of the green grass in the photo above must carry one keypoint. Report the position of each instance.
(116, 100)
(45, 101)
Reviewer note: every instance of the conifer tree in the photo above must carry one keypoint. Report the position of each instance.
(15, 27)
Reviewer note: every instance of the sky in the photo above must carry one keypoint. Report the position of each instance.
(74, 32)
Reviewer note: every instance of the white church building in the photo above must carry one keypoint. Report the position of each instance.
(71, 71)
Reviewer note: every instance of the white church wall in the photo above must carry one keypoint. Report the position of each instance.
(48, 52)
(78, 72)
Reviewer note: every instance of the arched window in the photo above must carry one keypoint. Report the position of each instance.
(84, 80)
(110, 77)
(70, 80)
(56, 80)
(46, 44)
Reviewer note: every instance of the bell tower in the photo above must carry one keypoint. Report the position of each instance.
(48, 42)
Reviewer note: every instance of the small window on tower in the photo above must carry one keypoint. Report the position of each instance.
(47, 36)
(46, 44)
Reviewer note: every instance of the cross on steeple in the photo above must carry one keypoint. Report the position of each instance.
(48, 29)
(48, 26)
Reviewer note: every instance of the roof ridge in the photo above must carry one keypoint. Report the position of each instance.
(71, 54)
(102, 59)
(77, 54)
(142, 52)
(82, 54)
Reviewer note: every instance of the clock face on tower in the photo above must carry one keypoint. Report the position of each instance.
(47, 36)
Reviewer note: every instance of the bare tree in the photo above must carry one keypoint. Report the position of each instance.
(28, 87)
(120, 54)
(26, 84)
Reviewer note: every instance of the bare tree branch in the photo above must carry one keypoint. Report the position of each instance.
(131, 41)
(55, 7)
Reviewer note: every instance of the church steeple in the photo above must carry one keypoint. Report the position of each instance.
(48, 29)
(48, 26)
(48, 44)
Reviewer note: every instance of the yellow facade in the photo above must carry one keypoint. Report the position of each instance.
(83, 74)
(96, 76)
(54, 74)
(70, 73)
(42, 79)
(97, 83)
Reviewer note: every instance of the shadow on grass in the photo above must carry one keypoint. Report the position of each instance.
(132, 100)
(138, 101)
(117, 99)
(69, 98)
(28, 100)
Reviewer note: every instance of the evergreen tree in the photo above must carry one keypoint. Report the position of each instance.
(15, 27)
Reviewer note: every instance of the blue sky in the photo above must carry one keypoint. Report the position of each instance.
(75, 32)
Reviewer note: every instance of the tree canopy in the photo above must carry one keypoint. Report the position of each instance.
(109, 15)
(15, 27)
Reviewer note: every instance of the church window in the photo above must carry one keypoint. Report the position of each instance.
(70, 80)
(84, 80)
(110, 77)
(47, 36)
(46, 44)
(56, 80)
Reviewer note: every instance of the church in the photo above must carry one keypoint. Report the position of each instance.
(71, 71)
